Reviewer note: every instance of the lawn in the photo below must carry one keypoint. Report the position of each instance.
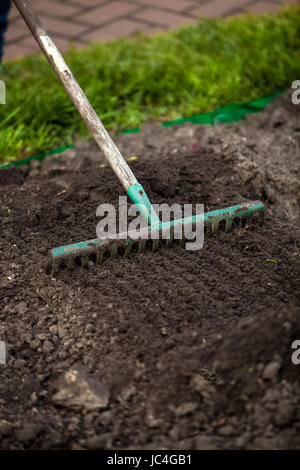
(190, 70)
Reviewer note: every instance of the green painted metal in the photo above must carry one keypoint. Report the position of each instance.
(229, 113)
(211, 221)
(139, 197)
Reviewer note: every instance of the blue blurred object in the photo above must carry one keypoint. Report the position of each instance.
(4, 9)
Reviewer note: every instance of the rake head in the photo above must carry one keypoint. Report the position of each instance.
(151, 238)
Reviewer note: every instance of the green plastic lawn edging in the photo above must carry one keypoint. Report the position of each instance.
(225, 114)
(39, 156)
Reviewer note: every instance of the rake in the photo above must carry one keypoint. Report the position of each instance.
(97, 249)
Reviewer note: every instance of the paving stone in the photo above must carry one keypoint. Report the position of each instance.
(108, 12)
(175, 5)
(30, 42)
(17, 30)
(164, 18)
(114, 30)
(216, 8)
(13, 14)
(284, 2)
(263, 7)
(14, 51)
(54, 8)
(68, 29)
(87, 3)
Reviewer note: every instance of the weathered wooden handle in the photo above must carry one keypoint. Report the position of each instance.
(85, 109)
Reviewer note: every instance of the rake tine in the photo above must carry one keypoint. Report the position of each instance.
(222, 219)
(142, 245)
(99, 255)
(215, 226)
(128, 244)
(84, 261)
(71, 265)
(169, 241)
(114, 250)
(228, 224)
(155, 245)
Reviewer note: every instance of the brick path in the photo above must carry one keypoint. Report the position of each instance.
(81, 21)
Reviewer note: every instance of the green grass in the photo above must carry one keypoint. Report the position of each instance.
(186, 71)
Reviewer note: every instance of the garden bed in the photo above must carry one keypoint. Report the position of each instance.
(172, 349)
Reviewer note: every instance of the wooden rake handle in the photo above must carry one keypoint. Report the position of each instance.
(82, 104)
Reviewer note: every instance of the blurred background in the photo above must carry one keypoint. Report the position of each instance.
(142, 60)
(82, 21)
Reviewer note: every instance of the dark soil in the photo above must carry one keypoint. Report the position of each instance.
(173, 349)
